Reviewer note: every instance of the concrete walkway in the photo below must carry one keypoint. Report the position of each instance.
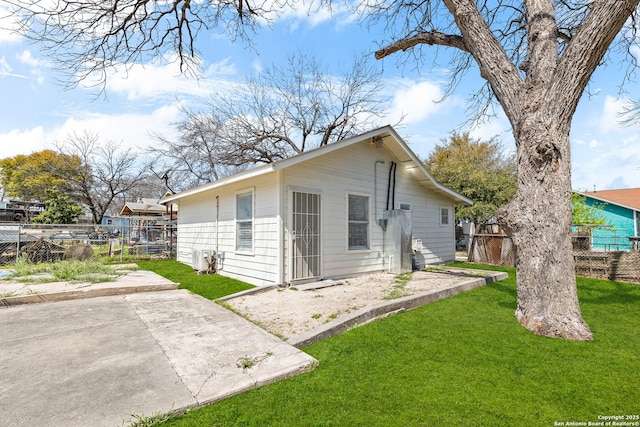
(99, 361)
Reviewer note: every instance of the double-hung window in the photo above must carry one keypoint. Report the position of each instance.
(444, 216)
(244, 222)
(358, 222)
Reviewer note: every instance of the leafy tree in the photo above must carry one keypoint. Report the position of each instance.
(477, 169)
(281, 112)
(536, 56)
(59, 209)
(583, 214)
(30, 177)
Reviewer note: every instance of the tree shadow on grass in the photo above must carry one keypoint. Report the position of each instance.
(603, 292)
(506, 289)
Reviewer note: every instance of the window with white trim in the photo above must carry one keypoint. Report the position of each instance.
(244, 222)
(444, 216)
(358, 217)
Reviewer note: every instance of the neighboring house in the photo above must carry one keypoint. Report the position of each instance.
(621, 210)
(143, 208)
(361, 205)
(150, 225)
(114, 223)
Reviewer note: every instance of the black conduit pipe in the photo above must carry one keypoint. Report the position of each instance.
(389, 186)
(393, 193)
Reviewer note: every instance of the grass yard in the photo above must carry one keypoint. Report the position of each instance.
(210, 286)
(462, 361)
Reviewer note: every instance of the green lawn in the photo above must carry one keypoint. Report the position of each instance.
(462, 361)
(210, 286)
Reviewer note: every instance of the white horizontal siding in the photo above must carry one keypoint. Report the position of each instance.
(197, 230)
(438, 241)
(351, 170)
(334, 175)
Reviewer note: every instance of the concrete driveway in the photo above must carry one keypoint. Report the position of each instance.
(99, 361)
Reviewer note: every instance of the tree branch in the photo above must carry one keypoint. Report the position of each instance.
(495, 65)
(430, 38)
(586, 50)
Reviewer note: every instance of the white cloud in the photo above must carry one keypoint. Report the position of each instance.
(5, 68)
(257, 67)
(164, 79)
(28, 59)
(132, 130)
(9, 24)
(311, 12)
(415, 101)
(495, 127)
(605, 153)
(610, 116)
(614, 168)
(36, 65)
(26, 141)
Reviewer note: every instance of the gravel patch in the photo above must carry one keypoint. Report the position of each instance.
(288, 312)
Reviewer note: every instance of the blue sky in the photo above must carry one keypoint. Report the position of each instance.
(36, 111)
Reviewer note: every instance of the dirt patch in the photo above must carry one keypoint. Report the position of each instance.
(290, 311)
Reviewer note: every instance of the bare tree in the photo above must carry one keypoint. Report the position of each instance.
(195, 157)
(108, 172)
(274, 115)
(537, 57)
(87, 38)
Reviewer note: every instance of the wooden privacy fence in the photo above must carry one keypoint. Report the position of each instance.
(497, 249)
(494, 249)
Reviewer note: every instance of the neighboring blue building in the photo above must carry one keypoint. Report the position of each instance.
(113, 223)
(621, 210)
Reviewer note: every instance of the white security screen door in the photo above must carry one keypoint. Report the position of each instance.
(306, 235)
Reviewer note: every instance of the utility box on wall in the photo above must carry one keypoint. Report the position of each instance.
(398, 241)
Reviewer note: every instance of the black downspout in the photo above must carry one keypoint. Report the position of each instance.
(389, 185)
(393, 194)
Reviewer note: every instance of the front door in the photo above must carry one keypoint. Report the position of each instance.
(305, 260)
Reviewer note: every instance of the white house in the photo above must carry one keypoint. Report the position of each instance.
(361, 205)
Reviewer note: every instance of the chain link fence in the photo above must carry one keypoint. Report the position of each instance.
(50, 243)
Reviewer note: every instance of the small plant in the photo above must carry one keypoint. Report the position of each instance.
(401, 281)
(245, 363)
(154, 419)
(293, 288)
(7, 294)
(316, 316)
(249, 362)
(331, 317)
(91, 271)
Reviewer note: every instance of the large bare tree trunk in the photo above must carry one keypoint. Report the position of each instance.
(538, 220)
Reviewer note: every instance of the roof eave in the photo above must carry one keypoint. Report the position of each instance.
(308, 155)
(610, 202)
